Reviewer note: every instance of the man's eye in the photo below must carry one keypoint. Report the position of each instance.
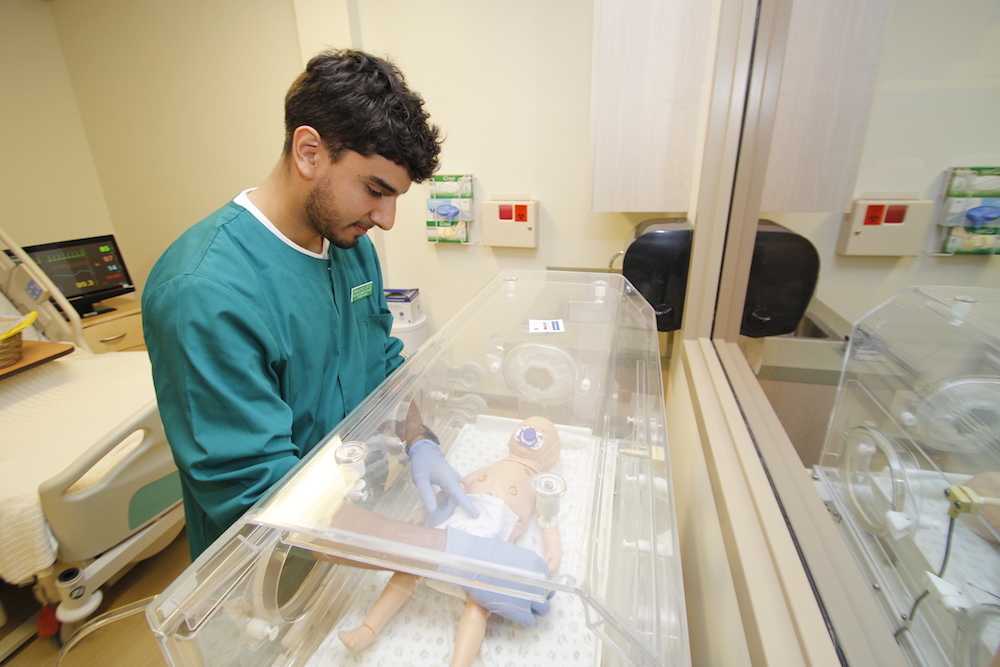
(374, 193)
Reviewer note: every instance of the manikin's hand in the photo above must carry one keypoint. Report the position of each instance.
(519, 610)
(428, 467)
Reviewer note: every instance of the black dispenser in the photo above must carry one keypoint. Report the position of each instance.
(783, 275)
(656, 264)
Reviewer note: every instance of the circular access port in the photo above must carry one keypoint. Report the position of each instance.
(959, 415)
(540, 373)
(877, 478)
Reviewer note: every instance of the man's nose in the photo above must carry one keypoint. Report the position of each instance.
(384, 214)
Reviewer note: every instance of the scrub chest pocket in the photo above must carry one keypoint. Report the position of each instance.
(375, 327)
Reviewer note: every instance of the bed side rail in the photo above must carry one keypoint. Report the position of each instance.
(121, 484)
(29, 289)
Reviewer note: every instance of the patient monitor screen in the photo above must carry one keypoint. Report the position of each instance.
(84, 270)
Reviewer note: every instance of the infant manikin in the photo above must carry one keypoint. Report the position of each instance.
(502, 493)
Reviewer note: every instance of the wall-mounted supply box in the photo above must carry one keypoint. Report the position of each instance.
(510, 223)
(886, 227)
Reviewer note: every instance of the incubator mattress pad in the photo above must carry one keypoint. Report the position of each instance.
(423, 632)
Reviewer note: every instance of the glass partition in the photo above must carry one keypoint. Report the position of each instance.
(873, 457)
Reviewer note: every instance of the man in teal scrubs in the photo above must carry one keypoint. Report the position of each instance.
(266, 322)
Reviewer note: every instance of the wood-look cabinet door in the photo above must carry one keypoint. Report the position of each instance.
(651, 72)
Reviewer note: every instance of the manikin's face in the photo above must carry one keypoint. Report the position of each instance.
(354, 194)
(536, 439)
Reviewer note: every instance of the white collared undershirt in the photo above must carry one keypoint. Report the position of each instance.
(245, 202)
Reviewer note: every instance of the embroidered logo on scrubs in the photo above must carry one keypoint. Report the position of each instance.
(361, 292)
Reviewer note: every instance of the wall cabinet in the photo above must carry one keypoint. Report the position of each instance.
(649, 81)
(650, 58)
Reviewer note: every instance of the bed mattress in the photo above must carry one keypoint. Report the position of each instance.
(49, 416)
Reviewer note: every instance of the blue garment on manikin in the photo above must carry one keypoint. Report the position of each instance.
(258, 351)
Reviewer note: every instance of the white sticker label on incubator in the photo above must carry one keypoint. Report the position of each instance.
(545, 326)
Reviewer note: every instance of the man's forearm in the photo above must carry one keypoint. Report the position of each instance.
(356, 519)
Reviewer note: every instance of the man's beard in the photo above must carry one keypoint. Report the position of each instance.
(319, 210)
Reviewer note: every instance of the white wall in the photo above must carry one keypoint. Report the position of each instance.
(182, 103)
(509, 83)
(182, 99)
(136, 118)
(49, 185)
(935, 107)
(141, 118)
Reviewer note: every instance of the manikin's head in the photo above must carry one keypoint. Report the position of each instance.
(536, 442)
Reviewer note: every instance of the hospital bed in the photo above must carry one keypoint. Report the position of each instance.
(88, 485)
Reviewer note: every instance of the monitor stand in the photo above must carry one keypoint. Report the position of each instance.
(97, 309)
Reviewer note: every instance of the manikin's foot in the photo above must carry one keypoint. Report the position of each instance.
(357, 639)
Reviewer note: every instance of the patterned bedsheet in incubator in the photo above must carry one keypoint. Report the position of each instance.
(423, 631)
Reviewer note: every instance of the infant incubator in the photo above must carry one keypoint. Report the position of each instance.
(576, 351)
(911, 467)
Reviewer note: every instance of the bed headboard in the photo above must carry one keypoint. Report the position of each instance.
(29, 289)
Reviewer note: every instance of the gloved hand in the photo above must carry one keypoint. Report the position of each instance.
(519, 610)
(443, 511)
(428, 466)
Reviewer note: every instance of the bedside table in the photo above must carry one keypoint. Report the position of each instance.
(121, 329)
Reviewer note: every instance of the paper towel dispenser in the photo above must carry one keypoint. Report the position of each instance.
(783, 275)
(656, 264)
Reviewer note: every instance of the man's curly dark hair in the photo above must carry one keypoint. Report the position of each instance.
(360, 102)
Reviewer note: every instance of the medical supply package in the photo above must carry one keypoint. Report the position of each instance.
(969, 221)
(450, 208)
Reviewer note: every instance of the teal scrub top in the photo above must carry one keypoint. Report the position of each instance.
(258, 351)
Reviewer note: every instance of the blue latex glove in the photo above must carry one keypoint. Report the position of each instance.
(519, 610)
(444, 510)
(982, 216)
(428, 466)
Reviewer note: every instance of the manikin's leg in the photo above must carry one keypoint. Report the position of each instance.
(397, 592)
(471, 630)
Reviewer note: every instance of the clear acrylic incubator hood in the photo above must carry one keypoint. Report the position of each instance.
(577, 350)
(911, 469)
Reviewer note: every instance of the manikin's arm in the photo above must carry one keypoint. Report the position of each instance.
(553, 548)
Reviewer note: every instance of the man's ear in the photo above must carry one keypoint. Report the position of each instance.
(307, 147)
